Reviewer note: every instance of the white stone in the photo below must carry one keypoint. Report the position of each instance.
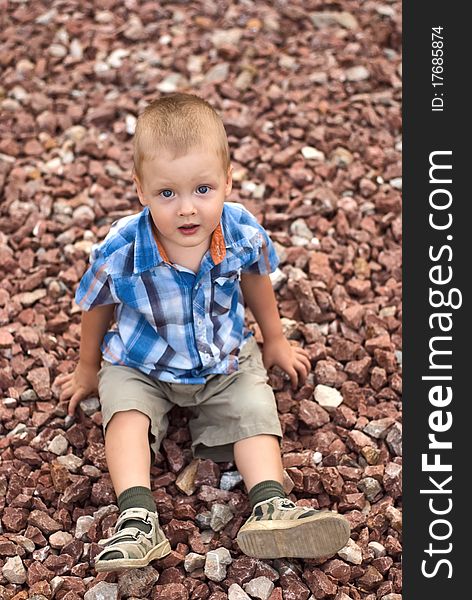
(218, 72)
(101, 67)
(236, 592)
(57, 50)
(76, 50)
(115, 59)
(260, 587)
(170, 83)
(102, 590)
(318, 77)
(130, 124)
(377, 549)
(222, 37)
(278, 278)
(351, 552)
(47, 17)
(216, 562)
(295, 273)
(311, 153)
(325, 18)
(82, 526)
(71, 462)
(13, 570)
(396, 183)
(301, 229)
(193, 561)
(327, 397)
(58, 445)
(358, 73)
(59, 539)
(104, 16)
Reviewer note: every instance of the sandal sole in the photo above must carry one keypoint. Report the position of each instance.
(315, 537)
(115, 564)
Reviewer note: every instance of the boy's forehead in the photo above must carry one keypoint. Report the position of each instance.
(165, 168)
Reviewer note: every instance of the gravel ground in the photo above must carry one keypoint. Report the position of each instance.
(310, 93)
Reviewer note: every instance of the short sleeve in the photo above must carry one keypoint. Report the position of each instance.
(95, 288)
(265, 259)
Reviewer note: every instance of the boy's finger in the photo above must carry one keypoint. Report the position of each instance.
(294, 377)
(62, 377)
(73, 402)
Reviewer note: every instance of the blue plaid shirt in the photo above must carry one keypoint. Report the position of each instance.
(171, 323)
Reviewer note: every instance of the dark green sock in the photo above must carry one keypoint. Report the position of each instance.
(134, 497)
(265, 490)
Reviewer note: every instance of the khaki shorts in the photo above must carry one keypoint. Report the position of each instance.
(225, 409)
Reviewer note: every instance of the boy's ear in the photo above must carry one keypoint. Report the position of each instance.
(138, 189)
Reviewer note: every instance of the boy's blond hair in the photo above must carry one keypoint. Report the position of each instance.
(178, 123)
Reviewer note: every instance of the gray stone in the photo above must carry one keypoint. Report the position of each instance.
(394, 439)
(58, 445)
(221, 515)
(399, 356)
(230, 479)
(378, 429)
(216, 563)
(193, 561)
(90, 405)
(260, 587)
(203, 519)
(71, 462)
(102, 591)
(371, 487)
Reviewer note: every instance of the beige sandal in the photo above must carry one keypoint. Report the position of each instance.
(137, 547)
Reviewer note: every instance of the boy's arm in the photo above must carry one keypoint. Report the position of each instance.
(259, 295)
(95, 323)
(260, 298)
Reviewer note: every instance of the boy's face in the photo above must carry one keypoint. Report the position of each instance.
(188, 189)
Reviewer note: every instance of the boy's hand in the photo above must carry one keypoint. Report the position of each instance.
(292, 359)
(78, 385)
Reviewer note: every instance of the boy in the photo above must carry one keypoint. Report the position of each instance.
(176, 275)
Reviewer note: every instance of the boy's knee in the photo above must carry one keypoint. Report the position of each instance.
(130, 418)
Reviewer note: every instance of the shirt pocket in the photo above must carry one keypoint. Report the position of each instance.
(225, 288)
(129, 291)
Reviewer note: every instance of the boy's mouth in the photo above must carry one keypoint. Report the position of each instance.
(191, 228)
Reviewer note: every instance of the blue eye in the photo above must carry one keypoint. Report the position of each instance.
(166, 191)
(203, 186)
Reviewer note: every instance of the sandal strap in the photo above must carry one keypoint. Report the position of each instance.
(134, 513)
(129, 534)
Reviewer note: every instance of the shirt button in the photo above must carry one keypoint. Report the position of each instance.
(199, 321)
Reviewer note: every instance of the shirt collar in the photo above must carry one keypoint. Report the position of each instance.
(148, 255)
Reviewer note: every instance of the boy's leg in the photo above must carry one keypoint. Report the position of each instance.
(134, 411)
(258, 458)
(259, 462)
(127, 450)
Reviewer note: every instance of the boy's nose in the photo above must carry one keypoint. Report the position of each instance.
(186, 207)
